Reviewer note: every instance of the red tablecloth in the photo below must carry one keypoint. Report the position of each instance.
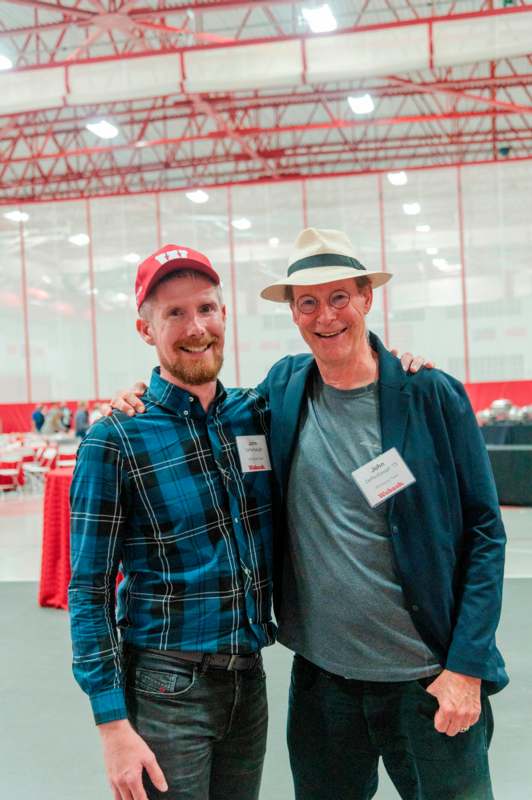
(55, 563)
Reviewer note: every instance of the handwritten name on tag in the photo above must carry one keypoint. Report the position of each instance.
(253, 453)
(382, 477)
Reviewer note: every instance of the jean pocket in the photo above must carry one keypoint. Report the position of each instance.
(163, 683)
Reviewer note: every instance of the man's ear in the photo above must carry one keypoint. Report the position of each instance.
(144, 330)
(224, 313)
(367, 291)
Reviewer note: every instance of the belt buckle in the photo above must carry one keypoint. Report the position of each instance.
(232, 661)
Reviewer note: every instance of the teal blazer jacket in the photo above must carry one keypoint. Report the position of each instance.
(446, 530)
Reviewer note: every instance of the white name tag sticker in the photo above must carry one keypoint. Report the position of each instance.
(253, 453)
(382, 477)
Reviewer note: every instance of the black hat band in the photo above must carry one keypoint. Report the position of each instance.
(325, 260)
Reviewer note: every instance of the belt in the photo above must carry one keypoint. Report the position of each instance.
(216, 660)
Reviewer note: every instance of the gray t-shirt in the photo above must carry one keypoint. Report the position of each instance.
(343, 605)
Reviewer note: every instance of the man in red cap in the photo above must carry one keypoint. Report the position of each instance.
(178, 499)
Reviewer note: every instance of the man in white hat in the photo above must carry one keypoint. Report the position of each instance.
(390, 550)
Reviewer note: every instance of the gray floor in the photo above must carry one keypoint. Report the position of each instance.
(49, 747)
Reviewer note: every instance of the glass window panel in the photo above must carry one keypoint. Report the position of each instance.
(265, 329)
(122, 228)
(205, 227)
(425, 294)
(498, 247)
(59, 315)
(12, 352)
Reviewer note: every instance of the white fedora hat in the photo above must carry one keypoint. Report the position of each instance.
(321, 256)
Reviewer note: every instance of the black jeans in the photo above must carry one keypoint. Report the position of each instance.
(208, 731)
(338, 729)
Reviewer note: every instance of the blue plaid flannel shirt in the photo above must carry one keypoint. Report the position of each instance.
(162, 497)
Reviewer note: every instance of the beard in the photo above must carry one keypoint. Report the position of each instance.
(198, 371)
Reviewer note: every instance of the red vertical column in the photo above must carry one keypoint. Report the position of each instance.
(304, 203)
(383, 261)
(92, 296)
(24, 293)
(232, 268)
(467, 371)
(158, 220)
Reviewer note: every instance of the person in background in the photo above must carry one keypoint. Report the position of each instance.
(81, 420)
(53, 421)
(37, 418)
(95, 413)
(66, 417)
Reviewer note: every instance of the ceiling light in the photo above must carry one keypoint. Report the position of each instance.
(440, 263)
(132, 258)
(241, 224)
(46, 279)
(422, 228)
(17, 216)
(5, 63)
(274, 241)
(80, 239)
(363, 104)
(432, 251)
(103, 129)
(199, 196)
(397, 178)
(411, 208)
(320, 19)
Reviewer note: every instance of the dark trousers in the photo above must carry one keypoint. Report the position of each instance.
(338, 729)
(207, 730)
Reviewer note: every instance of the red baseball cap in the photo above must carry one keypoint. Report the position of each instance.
(170, 258)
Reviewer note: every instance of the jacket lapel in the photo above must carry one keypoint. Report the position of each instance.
(394, 396)
(292, 402)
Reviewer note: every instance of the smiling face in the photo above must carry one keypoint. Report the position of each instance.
(184, 319)
(333, 334)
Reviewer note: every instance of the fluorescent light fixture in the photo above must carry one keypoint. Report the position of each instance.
(362, 104)
(411, 209)
(432, 251)
(17, 216)
(274, 241)
(5, 62)
(423, 228)
(46, 279)
(320, 19)
(440, 263)
(141, 143)
(80, 239)
(132, 258)
(397, 178)
(103, 129)
(241, 224)
(199, 196)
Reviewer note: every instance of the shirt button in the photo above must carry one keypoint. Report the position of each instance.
(236, 519)
(185, 413)
(415, 608)
(190, 399)
(395, 529)
(250, 620)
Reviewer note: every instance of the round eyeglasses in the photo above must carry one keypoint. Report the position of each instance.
(307, 304)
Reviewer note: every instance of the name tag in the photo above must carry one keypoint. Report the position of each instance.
(382, 477)
(253, 453)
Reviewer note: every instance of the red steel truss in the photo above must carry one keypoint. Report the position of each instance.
(438, 117)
